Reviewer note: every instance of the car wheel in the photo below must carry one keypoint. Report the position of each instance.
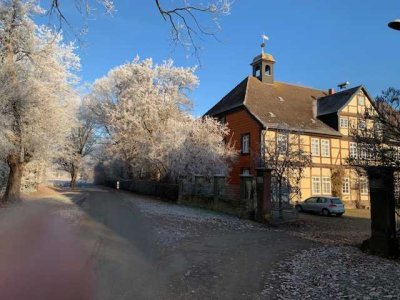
(325, 212)
(299, 208)
(339, 215)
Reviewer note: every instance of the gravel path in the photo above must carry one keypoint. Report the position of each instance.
(143, 248)
(198, 254)
(331, 272)
(351, 229)
(336, 269)
(174, 223)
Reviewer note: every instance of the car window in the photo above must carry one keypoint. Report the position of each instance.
(321, 200)
(336, 201)
(310, 200)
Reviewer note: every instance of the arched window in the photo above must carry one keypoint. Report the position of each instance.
(257, 72)
(268, 70)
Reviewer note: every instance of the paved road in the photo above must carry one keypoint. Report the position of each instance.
(142, 248)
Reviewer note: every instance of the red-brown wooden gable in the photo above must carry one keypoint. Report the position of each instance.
(241, 122)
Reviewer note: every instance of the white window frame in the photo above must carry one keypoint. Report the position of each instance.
(366, 151)
(344, 122)
(364, 186)
(326, 185)
(282, 142)
(346, 186)
(245, 143)
(316, 182)
(315, 148)
(325, 148)
(246, 171)
(353, 150)
(363, 152)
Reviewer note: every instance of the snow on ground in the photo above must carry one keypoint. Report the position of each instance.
(177, 222)
(71, 213)
(191, 214)
(329, 272)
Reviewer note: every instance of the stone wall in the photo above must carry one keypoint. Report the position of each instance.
(165, 191)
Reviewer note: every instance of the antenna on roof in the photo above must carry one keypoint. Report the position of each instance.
(343, 85)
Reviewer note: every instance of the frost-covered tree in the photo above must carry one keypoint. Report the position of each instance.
(35, 89)
(199, 148)
(144, 108)
(78, 145)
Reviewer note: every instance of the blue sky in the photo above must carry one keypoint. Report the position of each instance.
(315, 43)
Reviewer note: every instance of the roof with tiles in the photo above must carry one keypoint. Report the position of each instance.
(333, 103)
(277, 104)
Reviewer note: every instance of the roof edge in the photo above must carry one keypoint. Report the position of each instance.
(351, 97)
(233, 107)
(336, 134)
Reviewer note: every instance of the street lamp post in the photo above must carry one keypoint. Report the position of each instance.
(395, 24)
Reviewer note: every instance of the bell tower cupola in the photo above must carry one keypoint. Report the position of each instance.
(263, 65)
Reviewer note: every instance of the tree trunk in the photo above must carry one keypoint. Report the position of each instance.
(74, 175)
(13, 191)
(280, 199)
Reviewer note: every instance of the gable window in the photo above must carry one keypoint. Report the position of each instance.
(361, 124)
(346, 186)
(363, 186)
(325, 151)
(361, 99)
(281, 142)
(316, 185)
(353, 150)
(344, 122)
(314, 147)
(326, 185)
(378, 128)
(246, 143)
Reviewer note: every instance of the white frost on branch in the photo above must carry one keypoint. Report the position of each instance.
(144, 108)
(37, 71)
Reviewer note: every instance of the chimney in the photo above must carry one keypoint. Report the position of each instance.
(331, 91)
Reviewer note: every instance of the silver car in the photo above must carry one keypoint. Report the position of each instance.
(324, 205)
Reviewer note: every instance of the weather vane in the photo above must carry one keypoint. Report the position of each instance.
(264, 38)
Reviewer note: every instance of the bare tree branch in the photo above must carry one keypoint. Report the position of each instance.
(186, 29)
